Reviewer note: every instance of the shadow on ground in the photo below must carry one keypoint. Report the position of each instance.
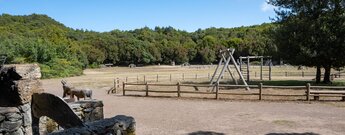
(205, 133)
(309, 133)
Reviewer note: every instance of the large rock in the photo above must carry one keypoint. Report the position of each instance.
(18, 83)
(118, 125)
(27, 71)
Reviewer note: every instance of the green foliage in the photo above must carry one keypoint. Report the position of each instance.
(62, 51)
(311, 33)
(61, 68)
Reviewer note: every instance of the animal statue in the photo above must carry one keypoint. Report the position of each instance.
(72, 91)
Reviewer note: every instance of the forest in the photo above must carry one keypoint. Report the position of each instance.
(62, 51)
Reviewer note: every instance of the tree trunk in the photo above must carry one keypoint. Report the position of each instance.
(318, 74)
(327, 75)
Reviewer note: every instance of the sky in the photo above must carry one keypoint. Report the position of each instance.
(107, 15)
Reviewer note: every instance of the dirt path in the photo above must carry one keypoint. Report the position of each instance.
(172, 116)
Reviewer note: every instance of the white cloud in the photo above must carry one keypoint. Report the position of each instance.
(265, 7)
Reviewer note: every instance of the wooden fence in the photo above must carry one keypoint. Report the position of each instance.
(198, 76)
(310, 91)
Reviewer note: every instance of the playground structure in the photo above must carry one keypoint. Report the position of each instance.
(246, 70)
(226, 59)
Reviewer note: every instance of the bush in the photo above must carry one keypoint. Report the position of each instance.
(61, 68)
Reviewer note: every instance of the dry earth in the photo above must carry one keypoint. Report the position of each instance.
(172, 116)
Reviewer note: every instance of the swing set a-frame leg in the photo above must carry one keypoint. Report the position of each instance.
(238, 70)
(215, 72)
(230, 72)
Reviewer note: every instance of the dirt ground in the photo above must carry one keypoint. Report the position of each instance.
(189, 116)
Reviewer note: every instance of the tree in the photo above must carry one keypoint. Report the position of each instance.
(311, 33)
(40, 39)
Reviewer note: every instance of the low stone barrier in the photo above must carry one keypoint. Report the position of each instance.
(15, 120)
(118, 125)
(88, 110)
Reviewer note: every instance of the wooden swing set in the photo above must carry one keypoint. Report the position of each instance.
(227, 58)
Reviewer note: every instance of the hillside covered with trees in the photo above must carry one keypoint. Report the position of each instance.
(63, 51)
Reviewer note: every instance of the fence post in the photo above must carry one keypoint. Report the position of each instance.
(178, 89)
(270, 71)
(255, 74)
(217, 90)
(308, 92)
(126, 79)
(260, 91)
(302, 73)
(182, 76)
(147, 89)
(115, 86)
(261, 65)
(123, 88)
(248, 67)
(157, 78)
(117, 82)
(170, 77)
(208, 76)
(196, 76)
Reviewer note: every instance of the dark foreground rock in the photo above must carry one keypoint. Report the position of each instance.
(118, 125)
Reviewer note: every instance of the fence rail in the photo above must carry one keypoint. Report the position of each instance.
(310, 91)
(140, 78)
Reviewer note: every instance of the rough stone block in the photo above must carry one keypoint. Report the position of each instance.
(88, 110)
(97, 114)
(4, 110)
(25, 107)
(27, 130)
(17, 132)
(2, 117)
(10, 126)
(27, 120)
(26, 88)
(27, 71)
(13, 116)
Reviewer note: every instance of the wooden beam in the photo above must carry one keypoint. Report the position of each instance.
(308, 91)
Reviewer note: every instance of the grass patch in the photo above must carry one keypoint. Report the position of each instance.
(282, 82)
(277, 83)
(284, 123)
(338, 83)
(296, 83)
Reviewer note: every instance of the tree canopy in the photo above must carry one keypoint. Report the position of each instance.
(311, 32)
(63, 51)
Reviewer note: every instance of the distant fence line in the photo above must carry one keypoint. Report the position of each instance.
(310, 91)
(194, 76)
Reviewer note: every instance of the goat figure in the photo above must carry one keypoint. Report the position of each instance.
(72, 91)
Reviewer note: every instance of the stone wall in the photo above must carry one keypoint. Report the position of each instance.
(88, 110)
(16, 120)
(23, 107)
(18, 83)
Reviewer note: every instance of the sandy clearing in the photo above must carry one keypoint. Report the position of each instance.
(172, 116)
